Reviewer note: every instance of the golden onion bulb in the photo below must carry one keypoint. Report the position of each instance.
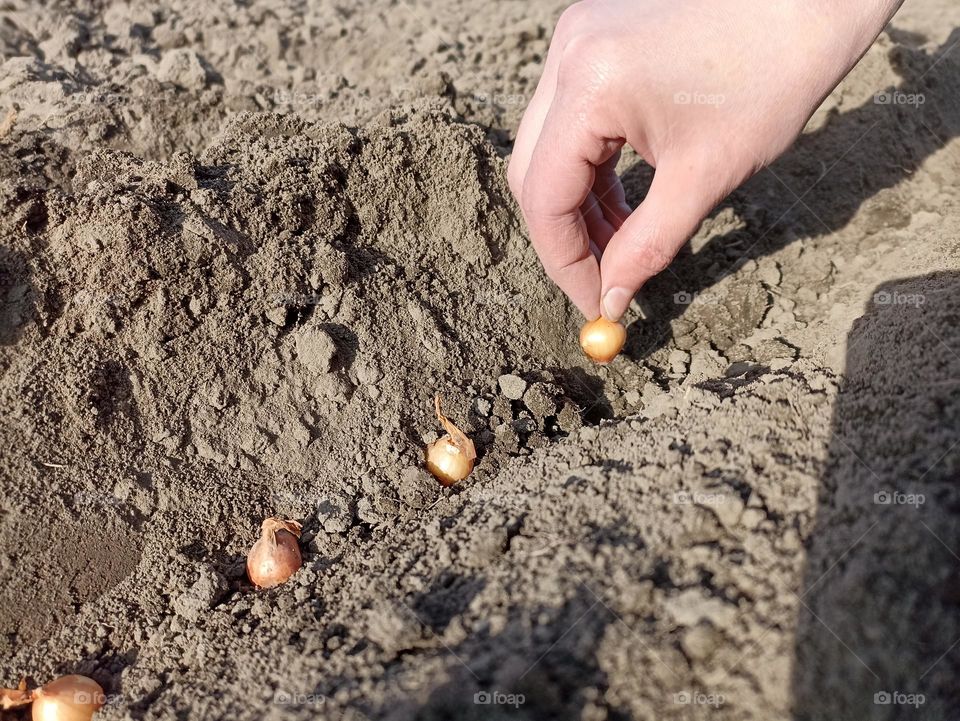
(68, 698)
(276, 554)
(450, 458)
(602, 339)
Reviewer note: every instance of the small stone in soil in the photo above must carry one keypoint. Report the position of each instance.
(512, 386)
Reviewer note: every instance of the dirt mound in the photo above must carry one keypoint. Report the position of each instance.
(292, 295)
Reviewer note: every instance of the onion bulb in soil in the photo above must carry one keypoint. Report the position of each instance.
(276, 554)
(450, 458)
(68, 698)
(602, 339)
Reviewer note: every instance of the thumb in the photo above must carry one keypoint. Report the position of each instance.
(678, 200)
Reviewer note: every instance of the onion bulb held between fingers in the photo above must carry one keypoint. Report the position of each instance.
(68, 698)
(602, 339)
(276, 554)
(450, 458)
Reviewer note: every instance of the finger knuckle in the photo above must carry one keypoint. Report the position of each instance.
(570, 20)
(532, 207)
(537, 205)
(655, 257)
(558, 268)
(585, 65)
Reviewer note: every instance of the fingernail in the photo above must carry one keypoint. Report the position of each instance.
(615, 302)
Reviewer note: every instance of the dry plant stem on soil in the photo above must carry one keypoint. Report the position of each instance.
(450, 459)
(6, 125)
(15, 697)
(276, 554)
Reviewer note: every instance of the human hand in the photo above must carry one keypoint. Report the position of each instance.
(706, 91)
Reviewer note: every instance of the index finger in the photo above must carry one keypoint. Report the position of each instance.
(561, 174)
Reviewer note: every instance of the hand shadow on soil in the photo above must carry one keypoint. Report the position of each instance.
(541, 665)
(879, 613)
(817, 187)
(16, 304)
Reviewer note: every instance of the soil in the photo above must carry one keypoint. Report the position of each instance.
(242, 248)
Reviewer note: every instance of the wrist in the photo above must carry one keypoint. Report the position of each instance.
(853, 24)
(830, 38)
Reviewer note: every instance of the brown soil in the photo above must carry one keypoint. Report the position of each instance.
(243, 246)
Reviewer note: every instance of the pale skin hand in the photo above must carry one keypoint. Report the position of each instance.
(706, 91)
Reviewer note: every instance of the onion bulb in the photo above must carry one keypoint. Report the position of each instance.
(68, 698)
(602, 339)
(450, 458)
(276, 554)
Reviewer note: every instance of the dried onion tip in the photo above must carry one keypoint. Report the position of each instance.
(68, 698)
(276, 554)
(15, 697)
(602, 339)
(451, 457)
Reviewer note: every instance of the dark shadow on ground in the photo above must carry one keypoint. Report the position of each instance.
(879, 625)
(541, 665)
(818, 186)
(16, 295)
